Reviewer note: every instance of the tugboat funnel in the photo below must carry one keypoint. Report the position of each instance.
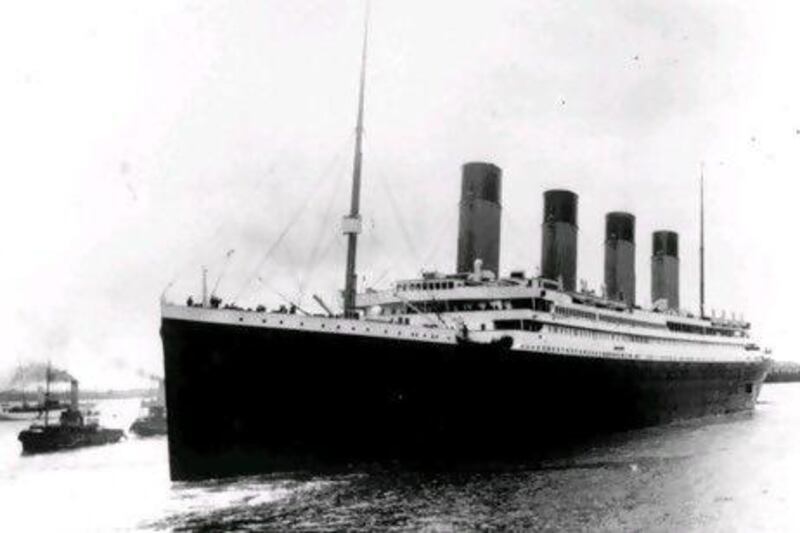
(73, 395)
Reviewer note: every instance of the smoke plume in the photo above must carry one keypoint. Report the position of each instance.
(37, 373)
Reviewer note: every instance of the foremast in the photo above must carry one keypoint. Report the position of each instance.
(702, 247)
(351, 224)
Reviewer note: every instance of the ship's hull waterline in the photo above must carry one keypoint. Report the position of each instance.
(248, 399)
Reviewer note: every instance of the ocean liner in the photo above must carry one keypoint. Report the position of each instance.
(472, 365)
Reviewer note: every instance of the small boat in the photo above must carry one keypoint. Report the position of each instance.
(30, 411)
(154, 421)
(72, 430)
(5, 416)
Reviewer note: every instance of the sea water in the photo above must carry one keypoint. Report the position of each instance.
(733, 473)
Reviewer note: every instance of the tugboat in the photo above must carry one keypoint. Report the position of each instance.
(154, 422)
(72, 431)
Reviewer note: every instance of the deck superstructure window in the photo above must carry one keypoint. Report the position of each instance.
(519, 325)
(540, 304)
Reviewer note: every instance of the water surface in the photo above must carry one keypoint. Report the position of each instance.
(737, 473)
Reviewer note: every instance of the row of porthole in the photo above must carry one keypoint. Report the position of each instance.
(617, 355)
(587, 352)
(353, 328)
(623, 356)
(565, 350)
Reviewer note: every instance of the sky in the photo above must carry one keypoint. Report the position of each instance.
(143, 140)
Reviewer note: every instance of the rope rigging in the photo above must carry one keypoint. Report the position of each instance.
(228, 256)
(337, 158)
(401, 223)
(445, 227)
(518, 227)
(444, 223)
(398, 216)
(282, 296)
(317, 253)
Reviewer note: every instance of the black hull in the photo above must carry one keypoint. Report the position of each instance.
(246, 399)
(57, 438)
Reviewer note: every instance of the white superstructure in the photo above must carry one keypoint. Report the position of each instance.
(533, 312)
(540, 317)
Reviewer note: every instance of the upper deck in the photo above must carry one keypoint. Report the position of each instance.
(464, 295)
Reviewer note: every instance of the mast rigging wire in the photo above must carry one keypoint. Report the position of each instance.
(292, 221)
(324, 227)
(282, 296)
(228, 256)
(445, 228)
(396, 211)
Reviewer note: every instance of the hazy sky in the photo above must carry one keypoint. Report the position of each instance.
(143, 139)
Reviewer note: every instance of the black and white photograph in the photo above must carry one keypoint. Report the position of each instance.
(381, 265)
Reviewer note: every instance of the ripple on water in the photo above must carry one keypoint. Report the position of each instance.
(730, 473)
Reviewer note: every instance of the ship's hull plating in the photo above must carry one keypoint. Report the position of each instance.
(243, 399)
